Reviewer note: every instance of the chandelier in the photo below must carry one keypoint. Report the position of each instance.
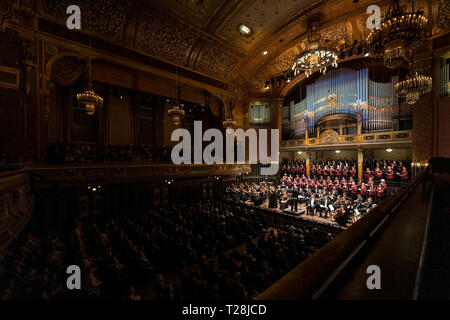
(413, 87)
(399, 33)
(90, 100)
(175, 113)
(229, 123)
(317, 56)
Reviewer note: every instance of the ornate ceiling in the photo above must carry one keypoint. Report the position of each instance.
(203, 35)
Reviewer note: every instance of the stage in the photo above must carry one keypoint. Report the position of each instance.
(300, 214)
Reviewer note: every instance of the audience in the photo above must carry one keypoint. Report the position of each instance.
(92, 153)
(121, 255)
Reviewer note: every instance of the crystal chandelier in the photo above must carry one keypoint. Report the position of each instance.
(317, 56)
(413, 87)
(399, 33)
(89, 99)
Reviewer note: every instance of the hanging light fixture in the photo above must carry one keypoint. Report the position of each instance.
(229, 123)
(176, 113)
(399, 33)
(415, 85)
(317, 56)
(89, 99)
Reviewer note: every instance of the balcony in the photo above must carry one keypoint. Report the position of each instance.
(16, 204)
(72, 175)
(330, 137)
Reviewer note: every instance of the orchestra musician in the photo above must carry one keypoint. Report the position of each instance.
(312, 204)
(324, 206)
(294, 198)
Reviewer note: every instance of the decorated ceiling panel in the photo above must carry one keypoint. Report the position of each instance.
(262, 16)
(161, 38)
(105, 17)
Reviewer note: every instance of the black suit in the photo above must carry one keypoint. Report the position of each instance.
(294, 200)
(325, 203)
(311, 205)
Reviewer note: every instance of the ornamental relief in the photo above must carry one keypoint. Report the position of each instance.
(258, 80)
(443, 19)
(214, 61)
(336, 33)
(329, 137)
(284, 62)
(109, 23)
(161, 38)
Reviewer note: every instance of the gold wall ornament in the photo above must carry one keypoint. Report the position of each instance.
(329, 137)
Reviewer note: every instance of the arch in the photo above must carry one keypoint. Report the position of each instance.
(66, 70)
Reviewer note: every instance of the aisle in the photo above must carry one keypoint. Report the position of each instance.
(397, 252)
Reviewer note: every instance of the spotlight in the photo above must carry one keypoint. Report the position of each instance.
(367, 54)
(94, 189)
(265, 52)
(389, 150)
(299, 152)
(338, 151)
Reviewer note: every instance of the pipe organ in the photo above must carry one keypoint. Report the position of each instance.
(335, 96)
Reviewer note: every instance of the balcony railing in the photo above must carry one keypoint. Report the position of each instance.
(70, 174)
(16, 204)
(327, 138)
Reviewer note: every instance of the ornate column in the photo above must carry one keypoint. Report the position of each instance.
(277, 103)
(360, 163)
(359, 112)
(308, 163)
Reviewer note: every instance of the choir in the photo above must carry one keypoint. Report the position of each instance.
(332, 191)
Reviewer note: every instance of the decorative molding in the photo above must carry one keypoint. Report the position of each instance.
(9, 78)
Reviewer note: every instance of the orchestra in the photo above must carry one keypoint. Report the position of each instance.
(331, 192)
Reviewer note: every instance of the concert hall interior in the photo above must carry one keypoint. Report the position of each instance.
(124, 173)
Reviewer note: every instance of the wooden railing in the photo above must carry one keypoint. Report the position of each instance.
(16, 204)
(67, 174)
